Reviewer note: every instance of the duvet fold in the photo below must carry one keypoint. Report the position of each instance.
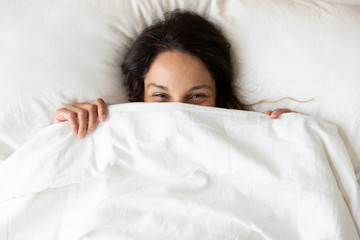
(179, 171)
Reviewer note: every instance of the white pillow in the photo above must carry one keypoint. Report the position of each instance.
(54, 53)
(306, 50)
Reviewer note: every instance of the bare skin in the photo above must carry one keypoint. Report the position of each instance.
(172, 77)
(83, 118)
(179, 77)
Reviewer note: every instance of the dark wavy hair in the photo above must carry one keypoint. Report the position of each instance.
(190, 33)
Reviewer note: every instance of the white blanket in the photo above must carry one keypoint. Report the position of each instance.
(177, 171)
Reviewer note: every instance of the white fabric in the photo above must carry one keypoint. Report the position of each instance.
(177, 171)
(300, 49)
(55, 53)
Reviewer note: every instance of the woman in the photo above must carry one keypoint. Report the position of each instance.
(184, 58)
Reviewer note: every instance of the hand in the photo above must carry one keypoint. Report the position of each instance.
(277, 112)
(83, 118)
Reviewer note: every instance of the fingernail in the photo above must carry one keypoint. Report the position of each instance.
(103, 118)
(91, 130)
(81, 135)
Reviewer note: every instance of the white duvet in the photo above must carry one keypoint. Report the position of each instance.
(177, 171)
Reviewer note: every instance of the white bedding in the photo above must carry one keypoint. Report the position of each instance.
(176, 171)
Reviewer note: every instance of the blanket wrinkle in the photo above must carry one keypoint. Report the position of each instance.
(259, 179)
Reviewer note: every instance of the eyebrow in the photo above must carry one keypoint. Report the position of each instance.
(157, 86)
(190, 90)
(200, 87)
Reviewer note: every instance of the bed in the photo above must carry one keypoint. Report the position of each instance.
(177, 171)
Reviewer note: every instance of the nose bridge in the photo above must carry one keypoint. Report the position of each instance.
(178, 99)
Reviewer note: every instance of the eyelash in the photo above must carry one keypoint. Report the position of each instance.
(197, 94)
(194, 96)
(160, 95)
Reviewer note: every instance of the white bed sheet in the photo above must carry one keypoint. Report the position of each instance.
(177, 171)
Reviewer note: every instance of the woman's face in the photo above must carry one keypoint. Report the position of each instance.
(179, 77)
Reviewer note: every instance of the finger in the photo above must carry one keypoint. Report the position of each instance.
(92, 116)
(101, 108)
(82, 118)
(60, 115)
(277, 112)
(267, 112)
(73, 122)
(63, 114)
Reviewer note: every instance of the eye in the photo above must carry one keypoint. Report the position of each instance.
(198, 95)
(160, 95)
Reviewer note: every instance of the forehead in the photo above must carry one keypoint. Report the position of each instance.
(177, 67)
